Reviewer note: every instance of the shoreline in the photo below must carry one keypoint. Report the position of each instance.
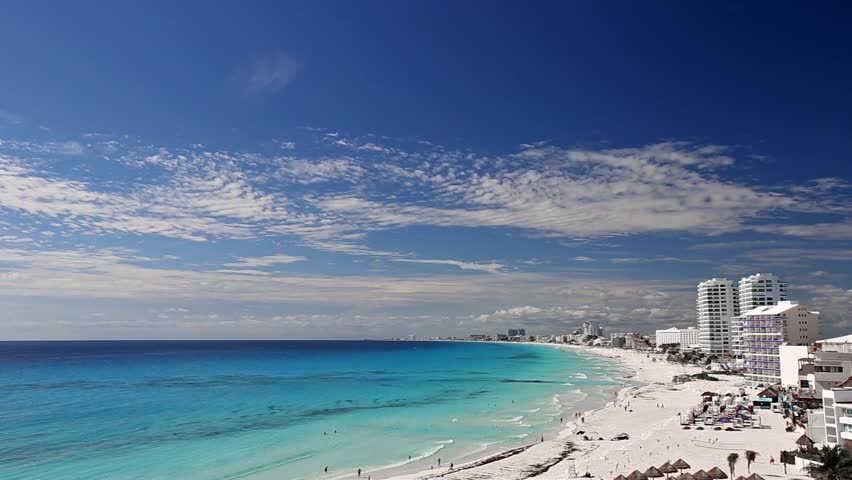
(543, 456)
(648, 411)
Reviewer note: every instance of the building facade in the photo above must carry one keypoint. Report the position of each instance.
(829, 366)
(716, 304)
(758, 290)
(685, 337)
(765, 329)
(837, 410)
(592, 329)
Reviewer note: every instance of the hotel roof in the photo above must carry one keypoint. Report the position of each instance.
(782, 307)
(843, 339)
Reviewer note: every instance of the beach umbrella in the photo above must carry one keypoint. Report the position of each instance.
(636, 475)
(717, 473)
(667, 468)
(686, 476)
(653, 472)
(620, 477)
(754, 476)
(680, 464)
(741, 478)
(702, 475)
(804, 442)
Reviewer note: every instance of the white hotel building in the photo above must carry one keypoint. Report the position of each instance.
(758, 290)
(717, 303)
(765, 329)
(685, 337)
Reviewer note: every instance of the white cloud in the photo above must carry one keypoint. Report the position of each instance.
(266, 261)
(821, 231)
(333, 200)
(480, 267)
(584, 259)
(644, 260)
(269, 73)
(9, 117)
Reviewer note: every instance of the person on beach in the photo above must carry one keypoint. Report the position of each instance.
(542, 439)
(359, 473)
(451, 465)
(439, 461)
(326, 470)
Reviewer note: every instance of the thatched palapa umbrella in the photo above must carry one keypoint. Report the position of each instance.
(680, 465)
(686, 476)
(667, 468)
(620, 477)
(741, 478)
(653, 472)
(804, 442)
(754, 476)
(717, 473)
(702, 475)
(636, 475)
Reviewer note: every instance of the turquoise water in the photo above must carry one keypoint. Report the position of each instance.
(283, 410)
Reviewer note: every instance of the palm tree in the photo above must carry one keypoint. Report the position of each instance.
(836, 464)
(751, 456)
(733, 458)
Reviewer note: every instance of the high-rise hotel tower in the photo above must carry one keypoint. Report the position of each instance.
(717, 303)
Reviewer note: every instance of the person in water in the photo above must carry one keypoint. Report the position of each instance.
(359, 473)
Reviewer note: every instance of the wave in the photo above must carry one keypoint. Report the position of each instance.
(445, 442)
(580, 375)
(266, 466)
(567, 384)
(534, 410)
(523, 435)
(415, 458)
(516, 419)
(454, 420)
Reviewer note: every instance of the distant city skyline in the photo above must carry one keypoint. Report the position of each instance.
(301, 171)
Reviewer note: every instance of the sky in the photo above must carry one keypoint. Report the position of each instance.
(379, 169)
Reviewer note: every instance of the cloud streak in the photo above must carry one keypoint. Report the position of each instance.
(267, 74)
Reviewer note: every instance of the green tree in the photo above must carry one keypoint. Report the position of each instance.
(733, 458)
(750, 456)
(835, 464)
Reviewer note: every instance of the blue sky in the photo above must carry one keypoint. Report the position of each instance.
(343, 170)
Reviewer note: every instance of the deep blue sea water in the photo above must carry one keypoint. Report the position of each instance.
(277, 409)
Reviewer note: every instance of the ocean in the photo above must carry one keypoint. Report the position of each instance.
(258, 410)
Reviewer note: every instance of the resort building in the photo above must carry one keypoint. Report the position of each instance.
(758, 290)
(685, 337)
(765, 329)
(717, 303)
(837, 410)
(829, 366)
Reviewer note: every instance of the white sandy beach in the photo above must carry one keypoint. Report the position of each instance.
(656, 435)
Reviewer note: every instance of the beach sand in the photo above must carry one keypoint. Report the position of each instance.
(656, 435)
